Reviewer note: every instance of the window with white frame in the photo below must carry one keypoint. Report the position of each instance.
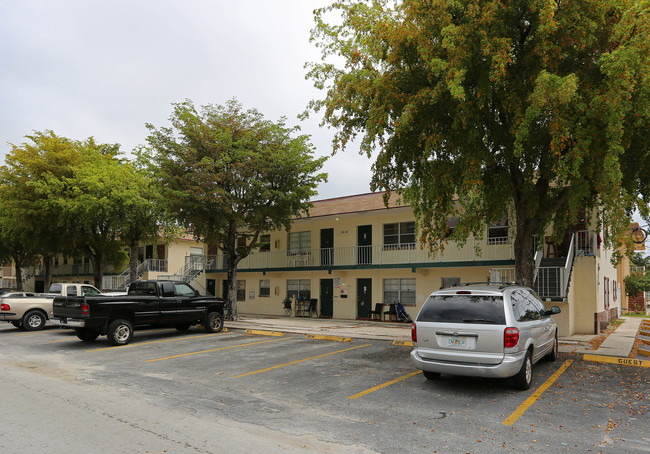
(265, 288)
(399, 291)
(300, 242)
(498, 232)
(301, 288)
(399, 234)
(265, 243)
(241, 290)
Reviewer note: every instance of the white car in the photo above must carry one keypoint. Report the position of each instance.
(484, 330)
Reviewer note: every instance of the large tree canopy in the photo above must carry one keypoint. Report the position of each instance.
(227, 173)
(482, 109)
(70, 197)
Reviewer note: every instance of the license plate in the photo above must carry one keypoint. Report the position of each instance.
(456, 341)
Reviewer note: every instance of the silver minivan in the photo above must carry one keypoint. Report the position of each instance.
(484, 330)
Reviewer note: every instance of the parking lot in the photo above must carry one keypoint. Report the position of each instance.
(359, 396)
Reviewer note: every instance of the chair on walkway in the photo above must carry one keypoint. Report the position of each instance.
(286, 304)
(391, 312)
(313, 306)
(376, 314)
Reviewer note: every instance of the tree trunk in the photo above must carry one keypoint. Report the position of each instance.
(19, 273)
(232, 287)
(133, 260)
(47, 261)
(98, 269)
(525, 249)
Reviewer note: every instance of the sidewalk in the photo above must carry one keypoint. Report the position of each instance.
(618, 344)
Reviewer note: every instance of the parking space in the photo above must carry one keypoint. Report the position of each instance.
(363, 393)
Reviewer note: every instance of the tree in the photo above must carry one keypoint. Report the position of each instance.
(228, 175)
(482, 110)
(27, 213)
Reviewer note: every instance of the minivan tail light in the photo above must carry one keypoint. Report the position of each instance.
(85, 309)
(463, 292)
(5, 307)
(510, 337)
(414, 333)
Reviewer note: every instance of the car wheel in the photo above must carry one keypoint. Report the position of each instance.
(17, 323)
(553, 354)
(213, 322)
(87, 334)
(33, 321)
(183, 326)
(120, 332)
(524, 377)
(431, 375)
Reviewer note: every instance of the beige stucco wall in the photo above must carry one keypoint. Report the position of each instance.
(427, 280)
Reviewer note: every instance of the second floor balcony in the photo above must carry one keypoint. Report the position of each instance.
(375, 256)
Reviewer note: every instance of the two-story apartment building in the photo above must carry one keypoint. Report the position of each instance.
(352, 253)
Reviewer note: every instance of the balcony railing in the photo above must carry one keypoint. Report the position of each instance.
(375, 255)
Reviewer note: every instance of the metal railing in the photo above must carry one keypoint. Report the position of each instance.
(122, 280)
(382, 254)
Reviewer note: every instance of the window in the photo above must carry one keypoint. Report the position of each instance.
(399, 234)
(451, 225)
(525, 306)
(183, 290)
(614, 290)
(459, 308)
(265, 288)
(241, 290)
(300, 242)
(498, 232)
(265, 245)
(399, 291)
(449, 281)
(606, 288)
(299, 287)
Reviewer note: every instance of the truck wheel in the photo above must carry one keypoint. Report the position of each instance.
(120, 332)
(87, 334)
(34, 321)
(183, 326)
(213, 322)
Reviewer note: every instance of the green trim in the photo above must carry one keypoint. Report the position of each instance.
(412, 266)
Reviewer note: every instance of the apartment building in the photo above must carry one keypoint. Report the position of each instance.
(355, 258)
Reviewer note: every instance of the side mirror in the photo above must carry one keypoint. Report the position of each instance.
(196, 293)
(554, 310)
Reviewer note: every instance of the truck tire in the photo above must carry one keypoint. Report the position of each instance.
(34, 320)
(213, 322)
(120, 332)
(87, 334)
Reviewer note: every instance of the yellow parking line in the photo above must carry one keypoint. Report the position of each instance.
(156, 342)
(300, 360)
(217, 349)
(510, 420)
(383, 385)
(617, 360)
(403, 343)
(259, 332)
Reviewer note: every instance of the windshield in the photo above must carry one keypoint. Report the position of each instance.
(463, 309)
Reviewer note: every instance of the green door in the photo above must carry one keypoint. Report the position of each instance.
(364, 244)
(326, 298)
(211, 287)
(364, 298)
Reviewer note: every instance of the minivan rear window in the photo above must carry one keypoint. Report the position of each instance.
(463, 309)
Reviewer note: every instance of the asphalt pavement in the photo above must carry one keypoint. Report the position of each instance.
(617, 344)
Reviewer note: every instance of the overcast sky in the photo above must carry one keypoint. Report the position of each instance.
(105, 68)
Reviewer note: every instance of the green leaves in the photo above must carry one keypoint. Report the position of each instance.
(479, 108)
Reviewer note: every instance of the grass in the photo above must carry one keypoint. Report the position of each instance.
(641, 314)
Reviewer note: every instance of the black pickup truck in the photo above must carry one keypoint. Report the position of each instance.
(147, 303)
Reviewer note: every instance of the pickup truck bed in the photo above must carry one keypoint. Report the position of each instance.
(148, 303)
